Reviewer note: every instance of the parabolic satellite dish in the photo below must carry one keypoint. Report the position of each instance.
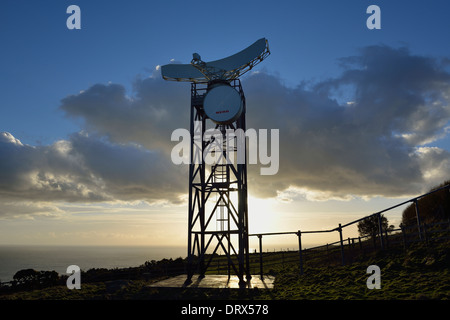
(224, 69)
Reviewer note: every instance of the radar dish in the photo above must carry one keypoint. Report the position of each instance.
(181, 72)
(228, 68)
(223, 104)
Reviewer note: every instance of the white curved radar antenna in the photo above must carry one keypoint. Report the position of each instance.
(222, 103)
(217, 95)
(228, 68)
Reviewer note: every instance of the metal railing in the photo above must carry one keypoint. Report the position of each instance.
(424, 231)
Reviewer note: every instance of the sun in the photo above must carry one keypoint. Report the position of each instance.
(261, 215)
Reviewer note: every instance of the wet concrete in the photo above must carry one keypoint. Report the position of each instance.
(214, 281)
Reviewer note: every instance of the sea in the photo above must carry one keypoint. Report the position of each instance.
(57, 258)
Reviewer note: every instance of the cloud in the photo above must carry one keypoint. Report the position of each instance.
(130, 172)
(29, 209)
(398, 103)
(368, 132)
(85, 168)
(156, 108)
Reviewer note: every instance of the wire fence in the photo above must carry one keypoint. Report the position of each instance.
(345, 250)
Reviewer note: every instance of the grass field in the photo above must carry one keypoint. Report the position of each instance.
(420, 272)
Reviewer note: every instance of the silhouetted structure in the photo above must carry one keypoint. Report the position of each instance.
(218, 188)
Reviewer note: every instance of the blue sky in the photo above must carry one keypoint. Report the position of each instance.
(119, 40)
(50, 75)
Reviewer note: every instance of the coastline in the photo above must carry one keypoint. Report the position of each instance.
(58, 257)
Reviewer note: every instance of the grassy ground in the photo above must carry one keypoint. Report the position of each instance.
(421, 272)
(401, 278)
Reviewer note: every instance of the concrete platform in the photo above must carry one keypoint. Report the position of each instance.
(214, 281)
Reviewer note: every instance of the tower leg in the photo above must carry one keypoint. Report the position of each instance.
(212, 190)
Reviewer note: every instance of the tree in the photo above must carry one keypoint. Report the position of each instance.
(32, 279)
(370, 226)
(26, 278)
(48, 278)
(434, 207)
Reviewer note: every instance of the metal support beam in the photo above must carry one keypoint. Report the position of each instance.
(211, 186)
(380, 230)
(419, 222)
(300, 255)
(261, 272)
(342, 244)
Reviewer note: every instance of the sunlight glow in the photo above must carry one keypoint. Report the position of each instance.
(262, 215)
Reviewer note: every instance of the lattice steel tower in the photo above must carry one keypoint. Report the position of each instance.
(218, 207)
